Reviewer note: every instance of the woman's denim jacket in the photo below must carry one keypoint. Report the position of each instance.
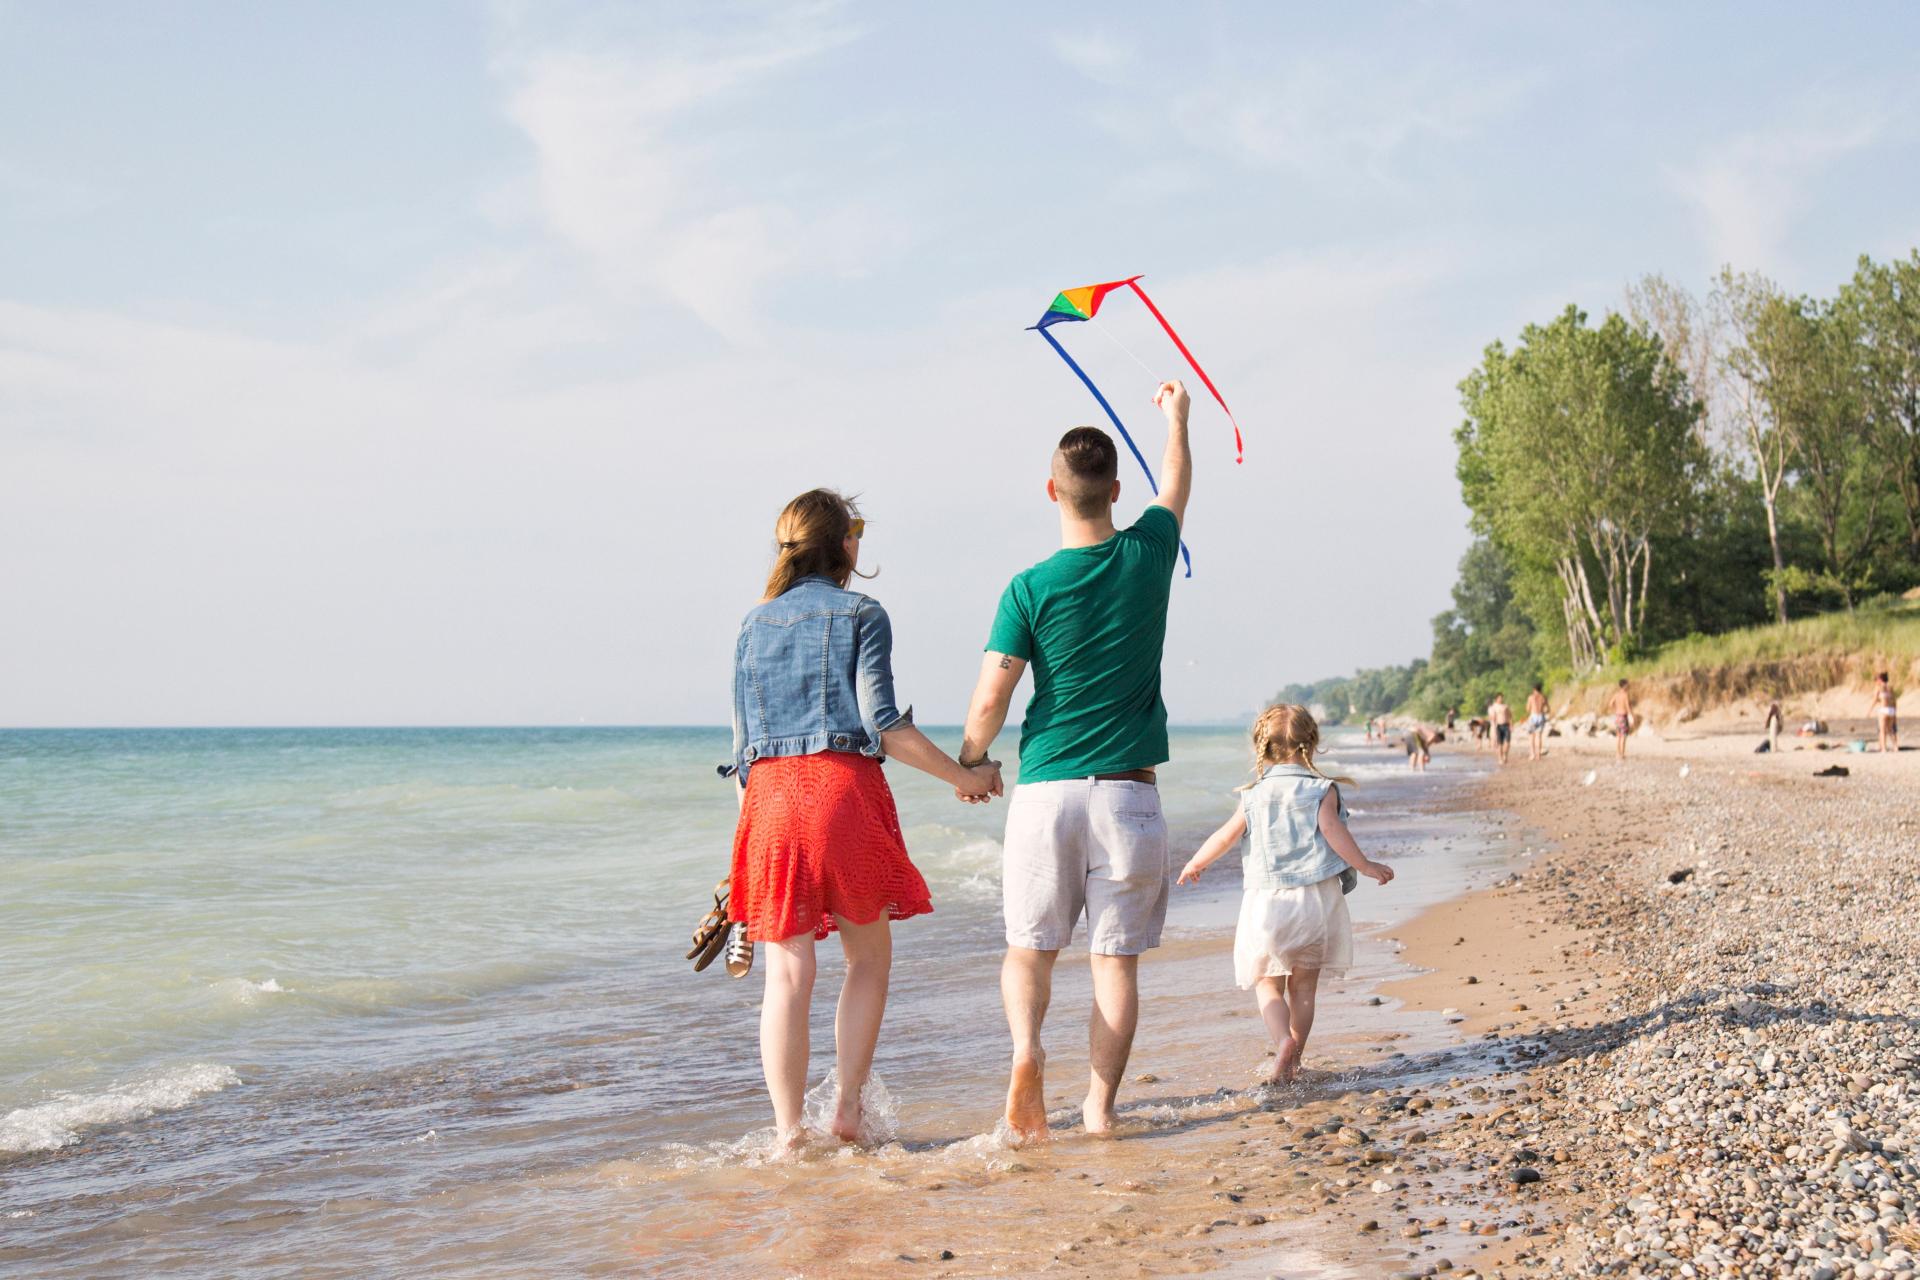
(813, 671)
(1285, 847)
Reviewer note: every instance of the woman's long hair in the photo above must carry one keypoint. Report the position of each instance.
(812, 533)
(1287, 730)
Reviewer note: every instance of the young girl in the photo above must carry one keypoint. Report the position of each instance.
(1293, 916)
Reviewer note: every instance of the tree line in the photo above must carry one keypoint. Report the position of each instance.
(1689, 464)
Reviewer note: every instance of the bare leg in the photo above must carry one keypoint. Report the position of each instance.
(1271, 993)
(856, 1024)
(1303, 991)
(1026, 988)
(783, 1028)
(1116, 1011)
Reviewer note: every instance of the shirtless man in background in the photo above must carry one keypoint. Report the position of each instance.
(1620, 707)
(1536, 723)
(1500, 716)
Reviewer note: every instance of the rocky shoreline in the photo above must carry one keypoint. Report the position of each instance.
(1712, 1050)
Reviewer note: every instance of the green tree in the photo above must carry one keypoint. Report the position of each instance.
(1882, 303)
(1577, 452)
(1817, 395)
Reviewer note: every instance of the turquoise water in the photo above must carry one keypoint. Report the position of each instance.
(277, 968)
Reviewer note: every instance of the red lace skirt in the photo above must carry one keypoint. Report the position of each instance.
(818, 838)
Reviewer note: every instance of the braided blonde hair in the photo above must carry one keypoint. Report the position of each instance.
(1287, 730)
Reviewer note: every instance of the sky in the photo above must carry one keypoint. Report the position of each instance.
(449, 363)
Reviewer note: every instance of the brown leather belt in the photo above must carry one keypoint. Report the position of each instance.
(1131, 775)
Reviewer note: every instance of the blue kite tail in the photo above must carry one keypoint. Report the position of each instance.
(1114, 418)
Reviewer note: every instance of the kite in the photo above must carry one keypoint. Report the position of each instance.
(1084, 304)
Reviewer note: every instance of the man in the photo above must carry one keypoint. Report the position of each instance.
(1500, 716)
(1084, 827)
(1419, 745)
(1620, 707)
(1536, 723)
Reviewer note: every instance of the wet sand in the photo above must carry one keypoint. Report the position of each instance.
(1210, 1175)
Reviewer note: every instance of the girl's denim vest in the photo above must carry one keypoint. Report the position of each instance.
(1285, 848)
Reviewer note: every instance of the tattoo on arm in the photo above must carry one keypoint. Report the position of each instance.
(1006, 663)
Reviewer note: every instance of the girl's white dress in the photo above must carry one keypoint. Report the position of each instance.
(1285, 930)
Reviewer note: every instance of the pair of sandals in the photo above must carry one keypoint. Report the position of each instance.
(718, 932)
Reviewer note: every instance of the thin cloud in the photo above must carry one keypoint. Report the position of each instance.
(1095, 55)
(624, 175)
(1327, 116)
(1749, 191)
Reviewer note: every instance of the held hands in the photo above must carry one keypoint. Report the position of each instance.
(1173, 401)
(983, 783)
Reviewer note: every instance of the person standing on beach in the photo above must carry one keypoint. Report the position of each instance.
(1536, 723)
(1620, 707)
(1886, 709)
(1299, 862)
(1776, 721)
(1084, 826)
(1500, 718)
(818, 847)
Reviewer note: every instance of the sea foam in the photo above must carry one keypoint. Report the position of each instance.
(61, 1121)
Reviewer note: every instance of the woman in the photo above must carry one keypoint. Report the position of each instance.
(818, 847)
(1886, 710)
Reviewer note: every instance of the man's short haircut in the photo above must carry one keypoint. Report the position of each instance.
(1623, 682)
(1084, 469)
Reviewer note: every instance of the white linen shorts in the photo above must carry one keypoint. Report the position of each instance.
(1085, 845)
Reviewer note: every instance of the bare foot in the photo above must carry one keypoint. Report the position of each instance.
(846, 1118)
(1027, 1101)
(1098, 1119)
(1286, 1063)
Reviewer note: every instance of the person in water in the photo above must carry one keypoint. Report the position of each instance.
(1085, 833)
(1293, 910)
(1419, 745)
(818, 847)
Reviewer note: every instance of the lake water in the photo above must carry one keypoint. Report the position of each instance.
(330, 1001)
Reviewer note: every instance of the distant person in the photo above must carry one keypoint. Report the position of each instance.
(1418, 743)
(1620, 707)
(1536, 723)
(818, 847)
(1776, 722)
(1453, 713)
(1300, 860)
(1085, 832)
(1886, 709)
(1369, 728)
(1500, 717)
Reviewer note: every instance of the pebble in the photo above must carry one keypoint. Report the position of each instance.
(1746, 1101)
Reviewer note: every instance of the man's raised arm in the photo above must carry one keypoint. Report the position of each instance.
(999, 674)
(1176, 467)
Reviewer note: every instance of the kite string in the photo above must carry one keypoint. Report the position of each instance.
(1123, 347)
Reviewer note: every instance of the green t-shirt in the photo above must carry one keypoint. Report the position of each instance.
(1092, 621)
